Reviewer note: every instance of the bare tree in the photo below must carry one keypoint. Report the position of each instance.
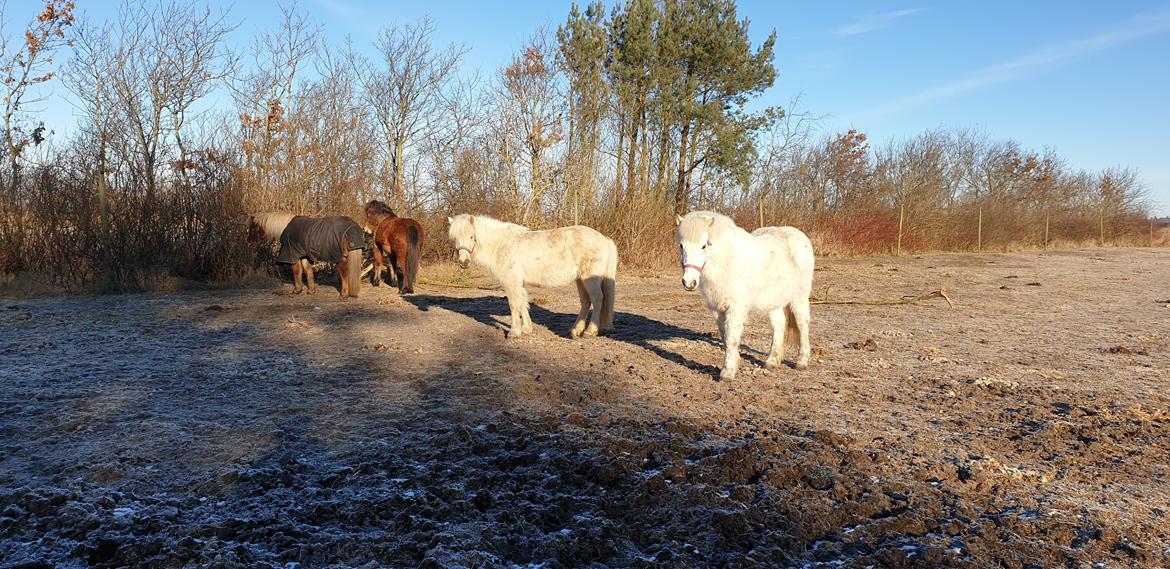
(404, 91)
(22, 68)
(26, 66)
(532, 100)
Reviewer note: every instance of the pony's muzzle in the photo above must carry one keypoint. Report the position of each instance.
(463, 258)
(690, 278)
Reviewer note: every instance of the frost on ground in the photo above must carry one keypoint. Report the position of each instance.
(247, 428)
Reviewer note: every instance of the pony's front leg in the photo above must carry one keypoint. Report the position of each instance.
(517, 300)
(593, 286)
(312, 283)
(342, 275)
(733, 330)
(522, 307)
(296, 269)
(516, 326)
(579, 325)
(776, 354)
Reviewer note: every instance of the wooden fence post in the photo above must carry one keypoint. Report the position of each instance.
(901, 215)
(979, 234)
(1046, 216)
(1101, 223)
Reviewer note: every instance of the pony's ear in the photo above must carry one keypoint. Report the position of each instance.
(449, 220)
(677, 220)
(471, 220)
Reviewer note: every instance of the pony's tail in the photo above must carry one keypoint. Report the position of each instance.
(354, 269)
(609, 289)
(413, 251)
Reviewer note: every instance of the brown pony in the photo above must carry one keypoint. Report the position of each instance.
(399, 237)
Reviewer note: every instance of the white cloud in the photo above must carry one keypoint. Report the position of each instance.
(873, 21)
(1136, 28)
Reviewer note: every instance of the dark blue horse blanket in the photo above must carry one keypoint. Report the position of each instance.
(319, 239)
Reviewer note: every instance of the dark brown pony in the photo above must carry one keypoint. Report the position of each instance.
(400, 238)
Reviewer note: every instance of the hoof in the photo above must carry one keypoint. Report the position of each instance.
(576, 332)
(726, 375)
(801, 365)
(773, 364)
(512, 335)
(313, 290)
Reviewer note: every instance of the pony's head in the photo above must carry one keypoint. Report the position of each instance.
(255, 230)
(462, 234)
(376, 211)
(694, 233)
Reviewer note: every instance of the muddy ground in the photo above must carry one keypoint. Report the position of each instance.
(1029, 426)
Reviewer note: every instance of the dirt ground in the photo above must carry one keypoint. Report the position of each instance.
(1029, 426)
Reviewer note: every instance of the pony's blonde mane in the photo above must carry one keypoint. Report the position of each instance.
(272, 222)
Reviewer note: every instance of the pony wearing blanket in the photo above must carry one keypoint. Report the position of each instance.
(399, 238)
(335, 240)
(770, 270)
(517, 256)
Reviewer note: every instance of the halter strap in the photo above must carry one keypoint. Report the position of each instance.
(458, 249)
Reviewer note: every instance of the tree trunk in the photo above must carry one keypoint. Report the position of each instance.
(681, 188)
(631, 160)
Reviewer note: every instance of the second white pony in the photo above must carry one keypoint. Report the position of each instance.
(517, 256)
(770, 270)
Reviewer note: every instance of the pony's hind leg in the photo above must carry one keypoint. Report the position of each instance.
(593, 287)
(376, 278)
(802, 316)
(779, 324)
(733, 330)
(400, 271)
(579, 325)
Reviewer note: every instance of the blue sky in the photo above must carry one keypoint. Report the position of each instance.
(1090, 80)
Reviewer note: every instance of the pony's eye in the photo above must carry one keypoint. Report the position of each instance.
(704, 247)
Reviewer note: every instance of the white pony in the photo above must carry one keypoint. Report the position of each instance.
(770, 270)
(517, 256)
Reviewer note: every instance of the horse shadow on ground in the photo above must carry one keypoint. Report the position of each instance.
(635, 329)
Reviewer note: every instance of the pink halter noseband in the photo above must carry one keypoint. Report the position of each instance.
(696, 267)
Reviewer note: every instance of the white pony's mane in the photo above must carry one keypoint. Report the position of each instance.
(695, 223)
(487, 225)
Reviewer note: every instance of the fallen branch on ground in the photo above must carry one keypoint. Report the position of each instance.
(368, 268)
(940, 293)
